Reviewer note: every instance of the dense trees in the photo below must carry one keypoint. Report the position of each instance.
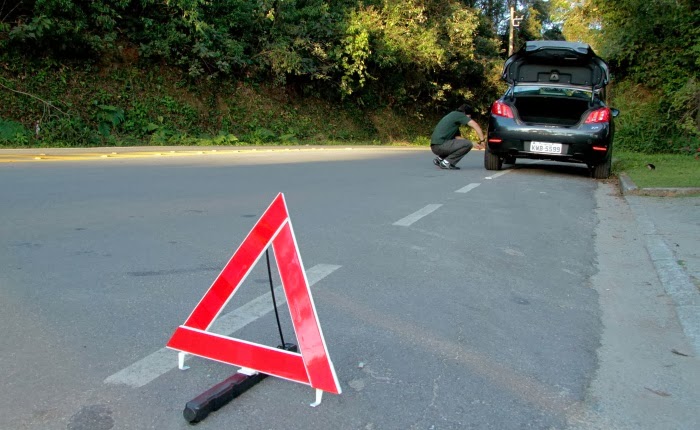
(419, 54)
(654, 50)
(342, 47)
(377, 51)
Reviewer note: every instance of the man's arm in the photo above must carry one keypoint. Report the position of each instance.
(473, 124)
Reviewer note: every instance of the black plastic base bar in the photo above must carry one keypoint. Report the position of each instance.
(223, 392)
(218, 395)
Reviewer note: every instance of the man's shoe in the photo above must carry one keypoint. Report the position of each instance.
(444, 164)
(437, 161)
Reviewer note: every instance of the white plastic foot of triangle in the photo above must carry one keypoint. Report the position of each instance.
(319, 397)
(181, 361)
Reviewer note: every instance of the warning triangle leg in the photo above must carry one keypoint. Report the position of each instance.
(319, 397)
(181, 361)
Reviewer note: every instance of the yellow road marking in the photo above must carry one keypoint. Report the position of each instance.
(9, 158)
(78, 156)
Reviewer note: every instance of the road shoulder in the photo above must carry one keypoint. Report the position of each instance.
(648, 375)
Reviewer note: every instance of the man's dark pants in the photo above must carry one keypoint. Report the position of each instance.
(452, 150)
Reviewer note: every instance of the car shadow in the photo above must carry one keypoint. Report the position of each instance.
(535, 166)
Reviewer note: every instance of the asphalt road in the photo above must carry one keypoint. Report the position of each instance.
(448, 299)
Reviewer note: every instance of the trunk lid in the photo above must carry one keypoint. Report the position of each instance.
(556, 62)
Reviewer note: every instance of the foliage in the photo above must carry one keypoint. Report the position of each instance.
(108, 117)
(652, 42)
(580, 21)
(62, 27)
(69, 132)
(359, 51)
(654, 47)
(13, 133)
(641, 128)
(131, 107)
(111, 72)
(390, 53)
(418, 57)
(537, 20)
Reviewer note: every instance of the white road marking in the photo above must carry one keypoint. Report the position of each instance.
(496, 175)
(152, 366)
(415, 216)
(467, 188)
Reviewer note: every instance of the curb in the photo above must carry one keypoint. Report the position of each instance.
(628, 187)
(674, 279)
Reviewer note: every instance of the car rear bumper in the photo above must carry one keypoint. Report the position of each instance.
(584, 143)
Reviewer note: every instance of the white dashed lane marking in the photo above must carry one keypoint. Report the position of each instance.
(496, 175)
(152, 366)
(467, 188)
(415, 216)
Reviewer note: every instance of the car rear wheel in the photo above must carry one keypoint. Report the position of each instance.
(602, 170)
(491, 160)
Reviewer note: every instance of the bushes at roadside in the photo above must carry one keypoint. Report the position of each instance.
(126, 106)
(653, 48)
(650, 123)
(13, 133)
(372, 53)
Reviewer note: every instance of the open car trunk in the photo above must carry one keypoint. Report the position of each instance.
(555, 82)
(550, 110)
(556, 62)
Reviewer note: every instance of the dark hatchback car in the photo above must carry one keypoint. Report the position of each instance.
(554, 108)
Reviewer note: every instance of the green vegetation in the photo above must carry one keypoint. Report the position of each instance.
(232, 72)
(126, 107)
(669, 170)
(151, 72)
(653, 48)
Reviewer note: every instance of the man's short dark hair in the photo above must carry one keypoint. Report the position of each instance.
(466, 108)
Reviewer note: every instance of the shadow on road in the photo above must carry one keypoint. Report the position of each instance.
(573, 169)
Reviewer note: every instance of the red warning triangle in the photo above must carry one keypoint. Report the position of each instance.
(312, 366)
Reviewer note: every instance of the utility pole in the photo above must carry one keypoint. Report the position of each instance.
(514, 23)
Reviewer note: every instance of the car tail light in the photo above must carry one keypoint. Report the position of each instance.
(598, 115)
(501, 109)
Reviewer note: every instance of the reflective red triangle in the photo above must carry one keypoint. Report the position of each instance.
(312, 365)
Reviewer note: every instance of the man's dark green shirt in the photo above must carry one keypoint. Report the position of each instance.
(448, 127)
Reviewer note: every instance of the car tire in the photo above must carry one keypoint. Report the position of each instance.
(602, 170)
(491, 160)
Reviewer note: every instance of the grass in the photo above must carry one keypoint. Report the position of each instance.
(670, 170)
(128, 106)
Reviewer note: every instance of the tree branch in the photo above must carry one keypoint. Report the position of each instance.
(49, 104)
(10, 12)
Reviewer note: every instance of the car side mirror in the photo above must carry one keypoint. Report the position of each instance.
(615, 112)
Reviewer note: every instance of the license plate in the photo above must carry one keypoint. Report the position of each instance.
(545, 147)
